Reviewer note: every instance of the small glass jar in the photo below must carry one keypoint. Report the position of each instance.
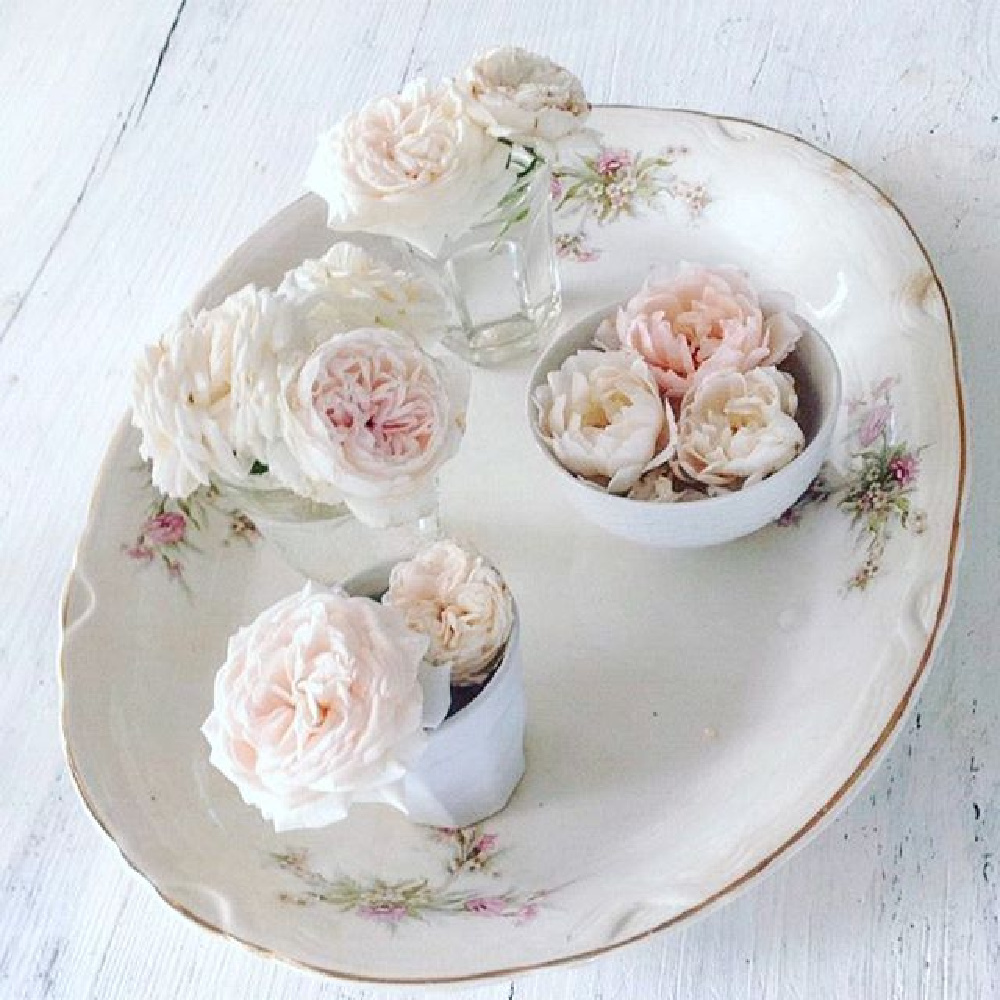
(326, 542)
(502, 274)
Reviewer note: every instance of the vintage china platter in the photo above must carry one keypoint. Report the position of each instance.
(693, 715)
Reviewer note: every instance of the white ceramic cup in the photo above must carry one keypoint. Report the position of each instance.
(474, 759)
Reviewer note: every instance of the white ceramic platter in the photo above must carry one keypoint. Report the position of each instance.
(692, 715)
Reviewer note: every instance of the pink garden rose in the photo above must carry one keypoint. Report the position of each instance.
(698, 322)
(318, 705)
(369, 419)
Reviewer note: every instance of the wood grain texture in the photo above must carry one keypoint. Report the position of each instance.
(141, 140)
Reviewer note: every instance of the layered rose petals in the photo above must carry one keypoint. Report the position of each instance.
(602, 417)
(698, 322)
(370, 418)
(317, 706)
(460, 602)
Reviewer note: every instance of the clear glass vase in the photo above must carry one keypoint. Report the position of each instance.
(502, 274)
(326, 542)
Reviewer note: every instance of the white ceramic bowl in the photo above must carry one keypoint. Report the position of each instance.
(715, 519)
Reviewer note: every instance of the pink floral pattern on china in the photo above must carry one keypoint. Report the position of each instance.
(458, 891)
(612, 183)
(167, 535)
(877, 486)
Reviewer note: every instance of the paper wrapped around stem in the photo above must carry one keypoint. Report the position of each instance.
(474, 759)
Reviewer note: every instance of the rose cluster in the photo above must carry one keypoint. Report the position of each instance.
(321, 700)
(681, 397)
(426, 164)
(321, 387)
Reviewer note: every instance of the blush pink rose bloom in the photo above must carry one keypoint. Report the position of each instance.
(318, 705)
(369, 419)
(698, 322)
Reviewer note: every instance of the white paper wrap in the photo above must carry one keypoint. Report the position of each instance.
(473, 760)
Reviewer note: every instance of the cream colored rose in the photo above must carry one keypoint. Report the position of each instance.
(602, 416)
(272, 339)
(348, 288)
(698, 322)
(524, 97)
(369, 419)
(203, 395)
(318, 705)
(460, 602)
(414, 165)
(736, 428)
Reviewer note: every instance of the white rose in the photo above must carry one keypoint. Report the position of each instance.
(415, 166)
(460, 602)
(735, 428)
(525, 98)
(318, 705)
(348, 288)
(270, 338)
(369, 419)
(197, 393)
(602, 416)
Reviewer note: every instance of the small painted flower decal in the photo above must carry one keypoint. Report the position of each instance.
(166, 537)
(817, 492)
(460, 890)
(574, 246)
(880, 480)
(877, 487)
(472, 849)
(616, 182)
(241, 529)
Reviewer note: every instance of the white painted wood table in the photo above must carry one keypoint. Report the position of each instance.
(140, 141)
